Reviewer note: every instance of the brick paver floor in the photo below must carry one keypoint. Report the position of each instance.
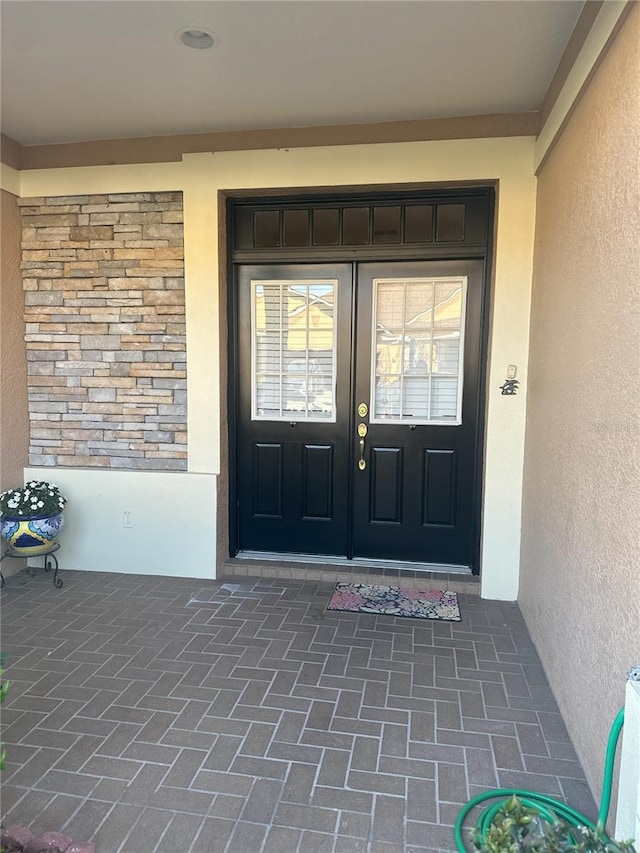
(152, 714)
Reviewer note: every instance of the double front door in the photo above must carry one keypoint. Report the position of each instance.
(356, 432)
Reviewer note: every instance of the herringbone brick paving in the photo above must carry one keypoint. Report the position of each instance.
(161, 714)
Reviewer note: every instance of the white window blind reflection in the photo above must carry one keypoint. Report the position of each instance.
(293, 350)
(417, 354)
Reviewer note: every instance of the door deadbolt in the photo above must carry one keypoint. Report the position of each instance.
(362, 430)
(363, 410)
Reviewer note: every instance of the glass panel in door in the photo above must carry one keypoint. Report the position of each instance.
(293, 350)
(418, 341)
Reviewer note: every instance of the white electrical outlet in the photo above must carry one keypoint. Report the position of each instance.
(127, 518)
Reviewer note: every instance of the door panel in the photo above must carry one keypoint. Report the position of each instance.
(439, 487)
(294, 365)
(386, 484)
(267, 486)
(414, 500)
(318, 481)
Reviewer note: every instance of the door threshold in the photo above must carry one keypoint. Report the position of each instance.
(355, 563)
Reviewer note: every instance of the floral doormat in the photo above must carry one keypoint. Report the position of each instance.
(392, 601)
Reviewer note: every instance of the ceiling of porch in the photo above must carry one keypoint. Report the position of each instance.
(75, 71)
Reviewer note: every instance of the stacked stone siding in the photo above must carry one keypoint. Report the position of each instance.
(105, 330)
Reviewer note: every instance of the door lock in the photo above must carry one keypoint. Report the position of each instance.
(363, 410)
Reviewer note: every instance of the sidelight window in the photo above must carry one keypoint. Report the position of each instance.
(417, 353)
(293, 350)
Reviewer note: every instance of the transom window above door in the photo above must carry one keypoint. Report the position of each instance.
(417, 350)
(404, 225)
(293, 350)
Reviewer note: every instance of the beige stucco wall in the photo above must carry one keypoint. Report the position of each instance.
(14, 422)
(580, 573)
(201, 177)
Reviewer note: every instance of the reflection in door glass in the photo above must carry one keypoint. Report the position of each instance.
(419, 330)
(293, 350)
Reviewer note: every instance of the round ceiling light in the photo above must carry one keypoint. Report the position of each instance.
(199, 38)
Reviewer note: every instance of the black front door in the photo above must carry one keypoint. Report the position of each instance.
(294, 366)
(358, 409)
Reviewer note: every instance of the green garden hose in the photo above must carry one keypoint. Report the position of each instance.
(547, 807)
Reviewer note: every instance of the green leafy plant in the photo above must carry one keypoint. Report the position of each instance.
(519, 829)
(36, 498)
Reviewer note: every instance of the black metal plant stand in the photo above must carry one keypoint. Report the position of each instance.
(50, 562)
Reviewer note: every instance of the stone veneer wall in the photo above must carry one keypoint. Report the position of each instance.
(105, 330)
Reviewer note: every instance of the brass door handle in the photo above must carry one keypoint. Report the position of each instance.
(362, 431)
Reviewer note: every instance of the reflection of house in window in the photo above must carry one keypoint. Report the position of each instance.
(294, 349)
(418, 338)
